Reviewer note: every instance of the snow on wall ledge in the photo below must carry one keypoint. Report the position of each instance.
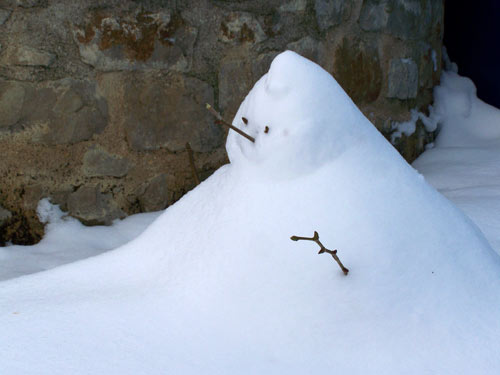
(215, 286)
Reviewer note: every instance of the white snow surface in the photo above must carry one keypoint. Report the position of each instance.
(67, 240)
(215, 286)
(464, 165)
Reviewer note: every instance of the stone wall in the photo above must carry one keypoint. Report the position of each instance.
(98, 98)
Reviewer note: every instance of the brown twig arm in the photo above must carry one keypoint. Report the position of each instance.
(335, 256)
(323, 249)
(191, 163)
(221, 120)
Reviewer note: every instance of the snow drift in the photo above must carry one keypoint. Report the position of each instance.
(465, 162)
(215, 285)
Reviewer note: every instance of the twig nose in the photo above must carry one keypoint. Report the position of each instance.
(221, 121)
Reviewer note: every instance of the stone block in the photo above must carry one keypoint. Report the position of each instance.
(240, 27)
(136, 41)
(4, 15)
(154, 195)
(307, 47)
(26, 3)
(404, 19)
(437, 10)
(409, 19)
(168, 112)
(12, 95)
(5, 216)
(93, 207)
(331, 13)
(357, 69)
(75, 127)
(235, 80)
(98, 163)
(374, 15)
(28, 56)
(262, 63)
(32, 195)
(293, 6)
(403, 79)
(426, 59)
(70, 101)
(68, 110)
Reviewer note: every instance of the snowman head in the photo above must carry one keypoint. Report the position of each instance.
(299, 116)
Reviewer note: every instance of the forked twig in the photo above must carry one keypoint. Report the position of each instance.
(191, 163)
(322, 249)
(221, 121)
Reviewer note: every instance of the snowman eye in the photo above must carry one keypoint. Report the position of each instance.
(266, 129)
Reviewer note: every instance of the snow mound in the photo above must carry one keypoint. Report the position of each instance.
(464, 119)
(215, 286)
(67, 240)
(465, 164)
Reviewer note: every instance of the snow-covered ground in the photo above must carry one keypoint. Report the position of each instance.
(66, 240)
(464, 165)
(215, 286)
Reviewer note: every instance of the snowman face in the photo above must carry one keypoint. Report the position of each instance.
(284, 140)
(296, 113)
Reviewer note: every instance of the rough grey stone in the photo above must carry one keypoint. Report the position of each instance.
(423, 56)
(409, 19)
(239, 27)
(93, 207)
(26, 3)
(69, 102)
(60, 197)
(403, 79)
(307, 47)
(28, 56)
(4, 15)
(70, 110)
(374, 15)
(405, 19)
(294, 6)
(32, 195)
(21, 3)
(137, 41)
(5, 215)
(330, 12)
(437, 10)
(154, 194)
(358, 70)
(168, 112)
(98, 163)
(12, 96)
(235, 80)
(80, 126)
(261, 64)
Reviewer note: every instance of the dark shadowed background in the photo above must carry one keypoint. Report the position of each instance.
(472, 38)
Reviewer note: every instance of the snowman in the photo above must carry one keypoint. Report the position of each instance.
(215, 286)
